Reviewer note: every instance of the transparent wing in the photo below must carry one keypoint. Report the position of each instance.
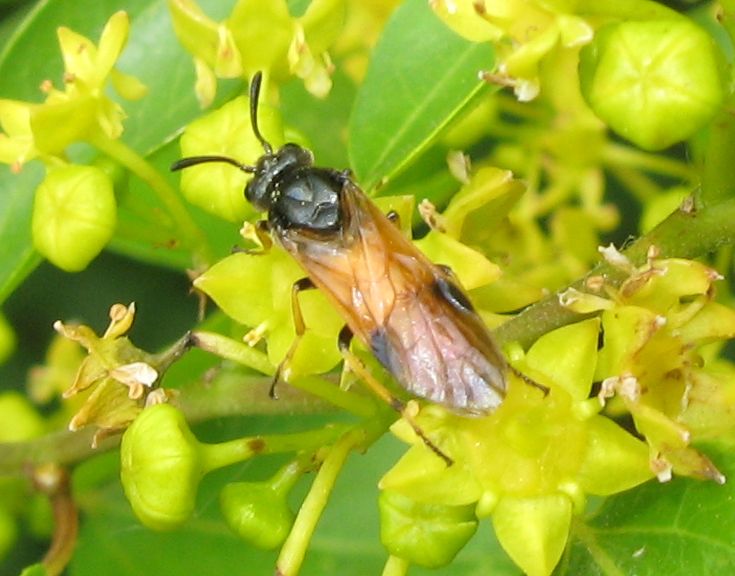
(406, 309)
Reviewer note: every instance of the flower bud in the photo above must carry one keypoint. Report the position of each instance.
(257, 512)
(428, 535)
(533, 531)
(654, 82)
(216, 187)
(19, 420)
(74, 216)
(161, 467)
(8, 532)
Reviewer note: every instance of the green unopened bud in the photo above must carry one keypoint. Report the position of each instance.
(74, 215)
(654, 82)
(534, 531)
(257, 512)
(217, 187)
(161, 467)
(8, 532)
(162, 463)
(19, 420)
(428, 535)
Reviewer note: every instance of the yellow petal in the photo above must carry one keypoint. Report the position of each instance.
(113, 40)
(534, 531)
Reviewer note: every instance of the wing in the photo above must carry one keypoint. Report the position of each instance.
(409, 311)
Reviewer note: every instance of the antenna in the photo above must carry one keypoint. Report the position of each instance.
(194, 160)
(254, 97)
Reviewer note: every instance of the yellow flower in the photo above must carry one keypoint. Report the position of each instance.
(259, 36)
(82, 110)
(651, 364)
(523, 33)
(122, 375)
(531, 462)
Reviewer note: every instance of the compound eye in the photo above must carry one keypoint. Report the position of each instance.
(454, 295)
(256, 192)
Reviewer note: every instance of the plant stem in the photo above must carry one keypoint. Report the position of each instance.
(294, 549)
(395, 567)
(192, 236)
(225, 453)
(231, 393)
(332, 393)
(53, 481)
(682, 235)
(230, 349)
(625, 156)
(718, 178)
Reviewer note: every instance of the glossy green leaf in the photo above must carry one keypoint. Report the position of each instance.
(17, 255)
(680, 528)
(405, 101)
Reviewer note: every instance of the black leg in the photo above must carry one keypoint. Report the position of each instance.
(530, 381)
(394, 217)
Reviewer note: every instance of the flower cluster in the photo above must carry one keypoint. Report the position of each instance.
(79, 112)
(529, 465)
(259, 36)
(121, 376)
(523, 32)
(75, 211)
(657, 362)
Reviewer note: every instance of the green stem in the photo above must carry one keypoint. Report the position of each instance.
(682, 235)
(230, 349)
(285, 479)
(718, 176)
(359, 405)
(231, 393)
(192, 236)
(625, 156)
(294, 549)
(216, 456)
(395, 566)
(54, 482)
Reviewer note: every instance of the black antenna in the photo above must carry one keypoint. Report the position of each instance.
(254, 97)
(194, 160)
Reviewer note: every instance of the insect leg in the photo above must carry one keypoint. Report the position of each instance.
(394, 217)
(358, 367)
(530, 381)
(299, 326)
(263, 232)
(258, 232)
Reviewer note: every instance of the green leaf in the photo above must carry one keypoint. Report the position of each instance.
(18, 258)
(680, 528)
(35, 570)
(32, 55)
(421, 76)
(320, 121)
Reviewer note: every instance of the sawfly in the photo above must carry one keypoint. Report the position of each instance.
(410, 312)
